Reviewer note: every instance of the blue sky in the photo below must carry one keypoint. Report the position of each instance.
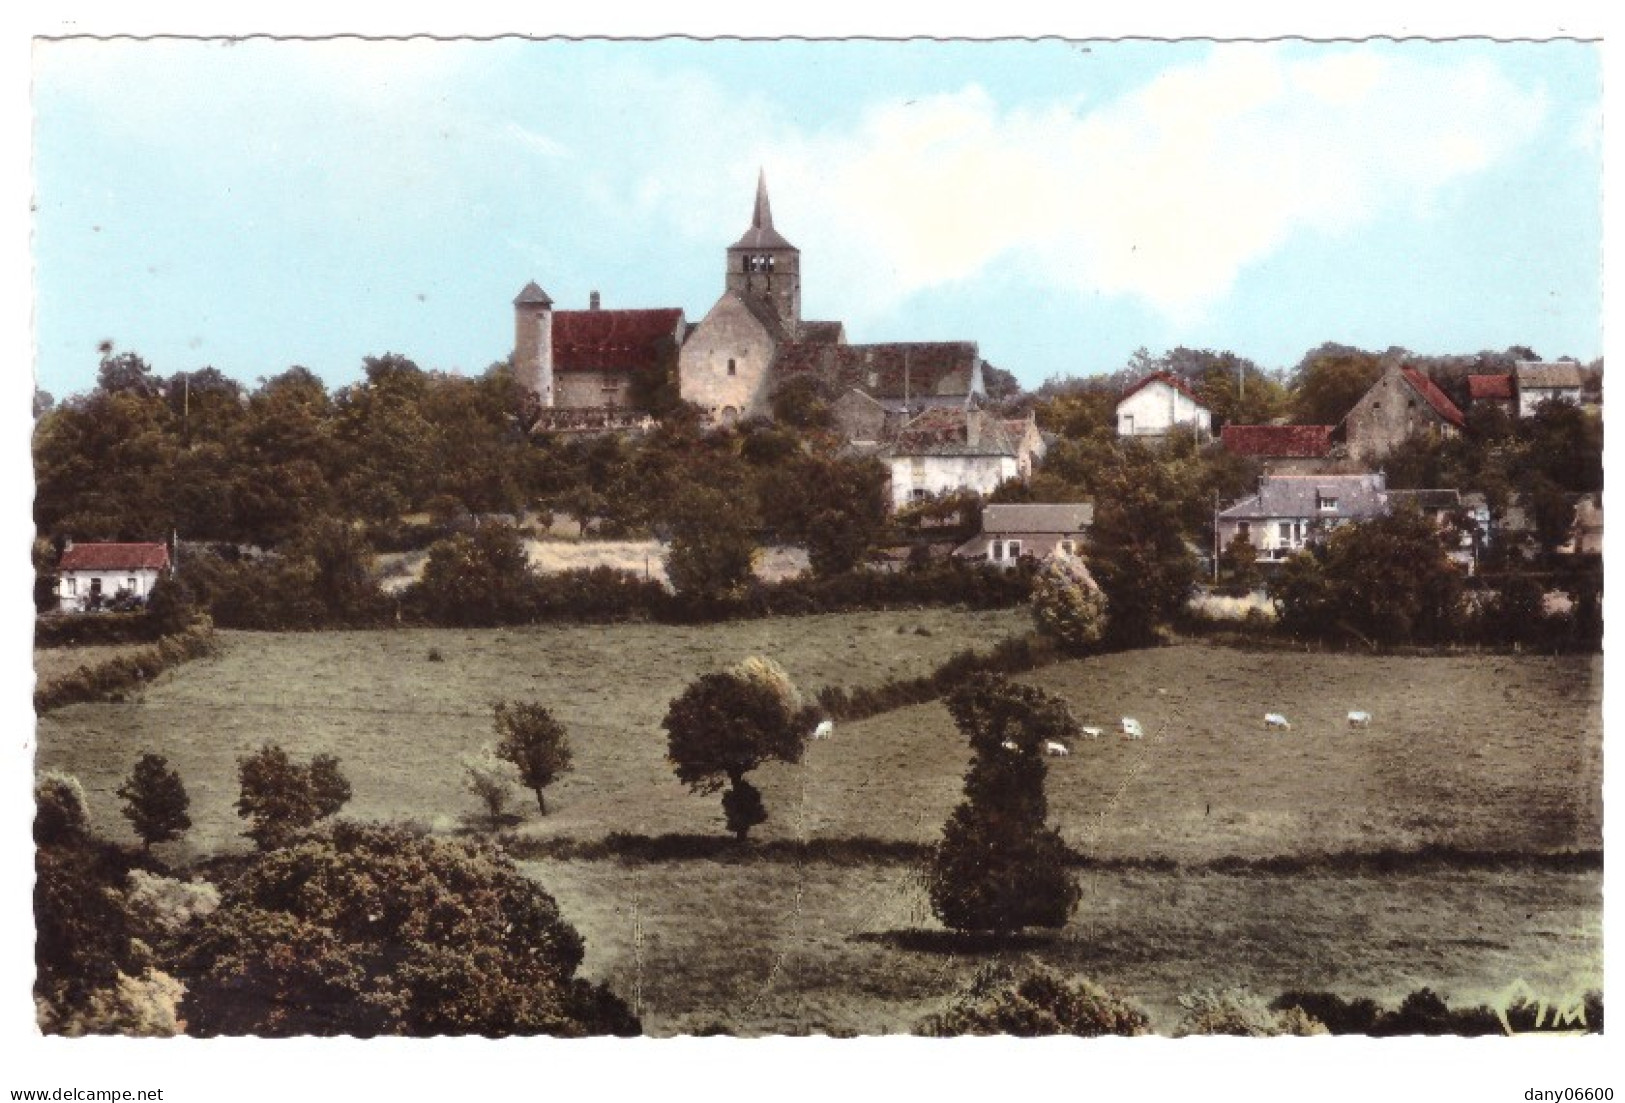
(261, 204)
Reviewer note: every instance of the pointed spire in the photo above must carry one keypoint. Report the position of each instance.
(761, 234)
(531, 294)
(763, 217)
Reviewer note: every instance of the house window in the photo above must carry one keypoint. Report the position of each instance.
(1244, 531)
(1325, 503)
(1068, 548)
(996, 551)
(129, 584)
(730, 366)
(73, 587)
(1013, 549)
(918, 494)
(1411, 405)
(1286, 532)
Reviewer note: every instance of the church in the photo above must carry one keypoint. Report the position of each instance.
(579, 365)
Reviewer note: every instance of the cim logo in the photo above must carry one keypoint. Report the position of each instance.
(1566, 1017)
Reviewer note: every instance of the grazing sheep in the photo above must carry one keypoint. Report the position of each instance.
(1054, 749)
(1132, 728)
(1010, 745)
(1092, 733)
(824, 730)
(1359, 719)
(1276, 722)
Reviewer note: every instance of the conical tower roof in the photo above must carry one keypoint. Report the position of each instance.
(761, 234)
(532, 294)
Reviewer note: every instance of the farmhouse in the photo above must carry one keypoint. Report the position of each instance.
(1281, 449)
(1162, 404)
(1012, 531)
(1546, 381)
(1492, 390)
(1291, 511)
(1401, 404)
(90, 575)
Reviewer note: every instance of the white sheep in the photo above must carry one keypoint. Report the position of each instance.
(1092, 733)
(824, 730)
(1054, 749)
(1358, 719)
(1277, 722)
(1010, 745)
(1132, 728)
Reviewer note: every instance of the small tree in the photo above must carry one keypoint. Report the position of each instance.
(998, 868)
(725, 725)
(1067, 605)
(1238, 565)
(536, 744)
(59, 810)
(280, 797)
(713, 547)
(155, 801)
(492, 780)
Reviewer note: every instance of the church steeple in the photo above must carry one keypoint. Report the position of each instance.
(764, 264)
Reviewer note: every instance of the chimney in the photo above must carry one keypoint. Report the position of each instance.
(592, 301)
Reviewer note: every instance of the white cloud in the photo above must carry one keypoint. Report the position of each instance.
(1165, 194)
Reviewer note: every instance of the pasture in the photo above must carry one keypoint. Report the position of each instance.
(1474, 752)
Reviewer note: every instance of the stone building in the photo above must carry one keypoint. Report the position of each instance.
(586, 359)
(754, 338)
(1401, 404)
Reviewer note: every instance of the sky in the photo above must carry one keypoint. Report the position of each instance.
(257, 204)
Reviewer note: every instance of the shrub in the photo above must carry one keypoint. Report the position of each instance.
(492, 780)
(111, 679)
(1067, 605)
(142, 1006)
(370, 930)
(479, 578)
(164, 906)
(59, 810)
(1340, 1016)
(1237, 1011)
(1038, 1003)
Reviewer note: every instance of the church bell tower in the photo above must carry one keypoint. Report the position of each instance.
(763, 264)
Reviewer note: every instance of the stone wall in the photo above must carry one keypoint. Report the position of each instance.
(723, 366)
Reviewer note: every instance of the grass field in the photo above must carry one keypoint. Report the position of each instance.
(776, 948)
(1476, 752)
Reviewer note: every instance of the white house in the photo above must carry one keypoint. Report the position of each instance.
(948, 449)
(1160, 405)
(90, 574)
(1540, 381)
(1289, 511)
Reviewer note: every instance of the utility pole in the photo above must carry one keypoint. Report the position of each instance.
(1215, 537)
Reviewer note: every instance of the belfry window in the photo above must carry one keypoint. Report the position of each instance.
(730, 366)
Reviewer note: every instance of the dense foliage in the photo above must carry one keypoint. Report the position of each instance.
(999, 868)
(370, 930)
(726, 724)
(1036, 1003)
(1068, 606)
(281, 798)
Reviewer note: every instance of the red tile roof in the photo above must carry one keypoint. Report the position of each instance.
(1481, 388)
(611, 340)
(1436, 398)
(1277, 441)
(918, 368)
(115, 557)
(1169, 378)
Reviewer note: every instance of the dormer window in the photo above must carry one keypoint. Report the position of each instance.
(1325, 503)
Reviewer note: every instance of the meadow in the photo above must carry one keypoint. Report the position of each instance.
(1497, 755)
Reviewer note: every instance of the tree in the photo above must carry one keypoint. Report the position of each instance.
(478, 578)
(1238, 564)
(155, 801)
(1137, 550)
(371, 930)
(1329, 380)
(170, 608)
(998, 867)
(492, 780)
(280, 797)
(713, 546)
(536, 743)
(1067, 604)
(804, 402)
(724, 725)
(835, 507)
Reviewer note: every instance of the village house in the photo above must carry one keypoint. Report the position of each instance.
(1281, 449)
(1493, 390)
(948, 449)
(1291, 511)
(91, 575)
(882, 386)
(1547, 381)
(1401, 404)
(1161, 405)
(1011, 531)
